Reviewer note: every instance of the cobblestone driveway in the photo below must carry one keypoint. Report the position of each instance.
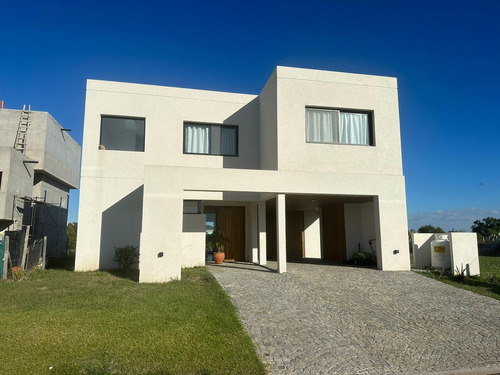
(321, 319)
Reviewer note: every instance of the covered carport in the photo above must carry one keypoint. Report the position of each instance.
(164, 229)
(330, 228)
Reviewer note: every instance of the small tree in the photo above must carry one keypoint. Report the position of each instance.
(126, 256)
(430, 229)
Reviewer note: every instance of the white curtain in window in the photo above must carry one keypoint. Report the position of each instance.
(227, 141)
(354, 128)
(322, 126)
(197, 139)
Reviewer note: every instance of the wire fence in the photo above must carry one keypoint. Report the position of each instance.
(489, 249)
(16, 246)
(34, 257)
(17, 254)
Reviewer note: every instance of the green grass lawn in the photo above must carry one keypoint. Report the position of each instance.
(61, 322)
(488, 283)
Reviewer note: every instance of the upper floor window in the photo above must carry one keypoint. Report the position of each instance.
(210, 139)
(338, 126)
(122, 133)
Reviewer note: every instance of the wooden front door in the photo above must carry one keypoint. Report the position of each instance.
(294, 235)
(230, 222)
(333, 233)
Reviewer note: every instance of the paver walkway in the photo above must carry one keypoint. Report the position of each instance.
(321, 319)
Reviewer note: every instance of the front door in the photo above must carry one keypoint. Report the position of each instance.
(333, 233)
(230, 222)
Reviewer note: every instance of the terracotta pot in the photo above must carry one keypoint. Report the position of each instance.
(219, 257)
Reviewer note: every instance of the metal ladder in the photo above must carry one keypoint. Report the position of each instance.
(22, 129)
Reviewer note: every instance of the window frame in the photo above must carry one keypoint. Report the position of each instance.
(210, 125)
(198, 208)
(126, 118)
(371, 124)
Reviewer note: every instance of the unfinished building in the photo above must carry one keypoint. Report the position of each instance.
(39, 164)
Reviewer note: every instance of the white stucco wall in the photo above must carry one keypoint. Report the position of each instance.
(368, 226)
(312, 234)
(421, 243)
(110, 213)
(353, 236)
(464, 253)
(165, 110)
(268, 125)
(301, 88)
(359, 228)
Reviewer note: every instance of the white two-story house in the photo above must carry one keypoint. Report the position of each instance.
(309, 168)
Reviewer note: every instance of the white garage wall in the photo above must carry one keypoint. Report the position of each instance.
(312, 235)
(353, 234)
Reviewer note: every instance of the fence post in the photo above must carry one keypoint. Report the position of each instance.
(6, 256)
(44, 251)
(25, 247)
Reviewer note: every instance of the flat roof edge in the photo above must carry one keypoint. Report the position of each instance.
(335, 77)
(147, 89)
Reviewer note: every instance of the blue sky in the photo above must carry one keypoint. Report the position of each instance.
(445, 55)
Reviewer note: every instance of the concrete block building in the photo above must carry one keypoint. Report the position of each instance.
(39, 164)
(309, 168)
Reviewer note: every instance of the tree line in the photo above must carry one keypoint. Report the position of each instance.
(487, 229)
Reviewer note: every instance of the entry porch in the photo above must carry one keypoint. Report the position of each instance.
(330, 217)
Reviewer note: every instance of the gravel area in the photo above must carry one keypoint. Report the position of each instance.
(324, 319)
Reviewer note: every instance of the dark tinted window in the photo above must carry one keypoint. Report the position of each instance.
(122, 133)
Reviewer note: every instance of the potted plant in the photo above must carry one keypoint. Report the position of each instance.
(217, 243)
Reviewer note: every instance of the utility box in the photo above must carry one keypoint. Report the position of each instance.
(464, 255)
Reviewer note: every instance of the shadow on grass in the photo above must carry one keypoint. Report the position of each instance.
(66, 262)
(478, 283)
(126, 274)
(473, 283)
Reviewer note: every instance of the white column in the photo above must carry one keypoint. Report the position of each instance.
(252, 232)
(160, 258)
(281, 232)
(392, 231)
(262, 233)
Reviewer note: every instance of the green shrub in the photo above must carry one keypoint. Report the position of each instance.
(126, 256)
